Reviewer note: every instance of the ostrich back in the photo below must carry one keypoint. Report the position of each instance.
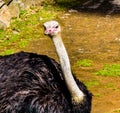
(31, 83)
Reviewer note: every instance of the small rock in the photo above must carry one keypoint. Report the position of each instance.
(5, 15)
(1, 3)
(67, 14)
(72, 11)
(14, 9)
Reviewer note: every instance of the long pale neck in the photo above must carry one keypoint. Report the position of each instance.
(76, 93)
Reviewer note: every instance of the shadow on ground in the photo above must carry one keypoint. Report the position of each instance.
(104, 7)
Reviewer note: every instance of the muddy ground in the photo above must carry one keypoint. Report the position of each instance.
(95, 37)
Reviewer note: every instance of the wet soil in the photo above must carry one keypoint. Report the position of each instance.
(94, 37)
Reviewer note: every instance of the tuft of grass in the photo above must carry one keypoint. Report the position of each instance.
(84, 63)
(110, 70)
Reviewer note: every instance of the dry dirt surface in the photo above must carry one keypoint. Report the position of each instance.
(94, 37)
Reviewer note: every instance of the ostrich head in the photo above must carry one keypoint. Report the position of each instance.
(52, 28)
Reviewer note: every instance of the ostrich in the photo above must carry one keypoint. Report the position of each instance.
(32, 83)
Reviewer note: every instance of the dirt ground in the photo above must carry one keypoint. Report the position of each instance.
(94, 37)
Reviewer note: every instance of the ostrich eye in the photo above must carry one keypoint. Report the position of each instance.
(56, 26)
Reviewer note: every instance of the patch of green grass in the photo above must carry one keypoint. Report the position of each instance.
(117, 110)
(110, 70)
(84, 63)
(7, 52)
(22, 43)
(27, 27)
(92, 83)
(110, 85)
(23, 13)
(98, 95)
(8, 39)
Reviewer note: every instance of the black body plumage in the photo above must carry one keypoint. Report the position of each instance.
(31, 83)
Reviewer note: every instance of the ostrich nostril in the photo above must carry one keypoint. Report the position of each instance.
(50, 30)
